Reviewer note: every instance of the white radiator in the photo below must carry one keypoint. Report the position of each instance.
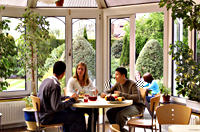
(194, 120)
(12, 112)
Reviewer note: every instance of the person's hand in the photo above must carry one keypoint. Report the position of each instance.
(117, 92)
(75, 96)
(103, 95)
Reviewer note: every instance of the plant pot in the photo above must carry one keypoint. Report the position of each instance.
(166, 98)
(59, 3)
(193, 104)
(29, 115)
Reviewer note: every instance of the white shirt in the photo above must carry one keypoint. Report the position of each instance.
(73, 84)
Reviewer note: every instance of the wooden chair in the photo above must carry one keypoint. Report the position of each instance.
(36, 107)
(64, 90)
(114, 128)
(173, 114)
(143, 94)
(154, 103)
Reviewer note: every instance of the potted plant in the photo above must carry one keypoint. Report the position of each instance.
(165, 91)
(33, 48)
(187, 78)
(59, 2)
(29, 114)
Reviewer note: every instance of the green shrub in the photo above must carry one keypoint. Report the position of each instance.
(93, 43)
(150, 59)
(82, 51)
(116, 48)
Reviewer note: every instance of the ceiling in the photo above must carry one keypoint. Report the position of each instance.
(76, 3)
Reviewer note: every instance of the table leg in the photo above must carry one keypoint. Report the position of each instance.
(92, 120)
(103, 120)
(98, 121)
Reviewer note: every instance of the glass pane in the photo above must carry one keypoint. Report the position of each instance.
(120, 43)
(84, 45)
(198, 46)
(180, 34)
(111, 3)
(149, 44)
(57, 51)
(17, 80)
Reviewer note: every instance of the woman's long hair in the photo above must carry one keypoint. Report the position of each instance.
(85, 76)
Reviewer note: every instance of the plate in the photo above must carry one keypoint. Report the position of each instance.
(115, 102)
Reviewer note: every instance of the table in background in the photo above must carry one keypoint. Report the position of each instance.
(101, 103)
(184, 128)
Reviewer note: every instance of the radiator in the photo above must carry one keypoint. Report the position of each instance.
(12, 112)
(194, 120)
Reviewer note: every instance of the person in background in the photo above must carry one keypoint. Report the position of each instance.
(139, 80)
(53, 110)
(82, 83)
(151, 85)
(126, 88)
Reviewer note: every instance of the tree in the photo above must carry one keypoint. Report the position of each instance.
(33, 47)
(8, 53)
(150, 59)
(85, 33)
(83, 51)
(124, 59)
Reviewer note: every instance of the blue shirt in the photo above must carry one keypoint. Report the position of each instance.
(153, 86)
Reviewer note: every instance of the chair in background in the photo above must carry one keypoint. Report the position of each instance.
(173, 114)
(107, 84)
(154, 103)
(36, 107)
(114, 128)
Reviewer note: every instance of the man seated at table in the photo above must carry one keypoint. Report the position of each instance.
(53, 110)
(126, 88)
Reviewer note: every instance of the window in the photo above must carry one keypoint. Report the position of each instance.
(84, 45)
(17, 81)
(179, 34)
(119, 45)
(57, 50)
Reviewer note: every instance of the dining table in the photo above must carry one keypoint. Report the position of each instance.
(184, 128)
(101, 103)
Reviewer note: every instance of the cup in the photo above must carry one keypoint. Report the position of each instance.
(86, 98)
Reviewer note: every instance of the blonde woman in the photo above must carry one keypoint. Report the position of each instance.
(83, 84)
(80, 81)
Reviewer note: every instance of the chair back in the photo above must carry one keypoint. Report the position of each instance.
(173, 114)
(143, 93)
(36, 103)
(114, 128)
(154, 103)
(107, 84)
(65, 91)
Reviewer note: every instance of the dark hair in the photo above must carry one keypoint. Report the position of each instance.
(148, 77)
(59, 67)
(122, 71)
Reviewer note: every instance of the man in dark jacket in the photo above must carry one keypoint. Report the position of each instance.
(53, 110)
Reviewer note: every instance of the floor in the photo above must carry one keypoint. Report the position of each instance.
(107, 129)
